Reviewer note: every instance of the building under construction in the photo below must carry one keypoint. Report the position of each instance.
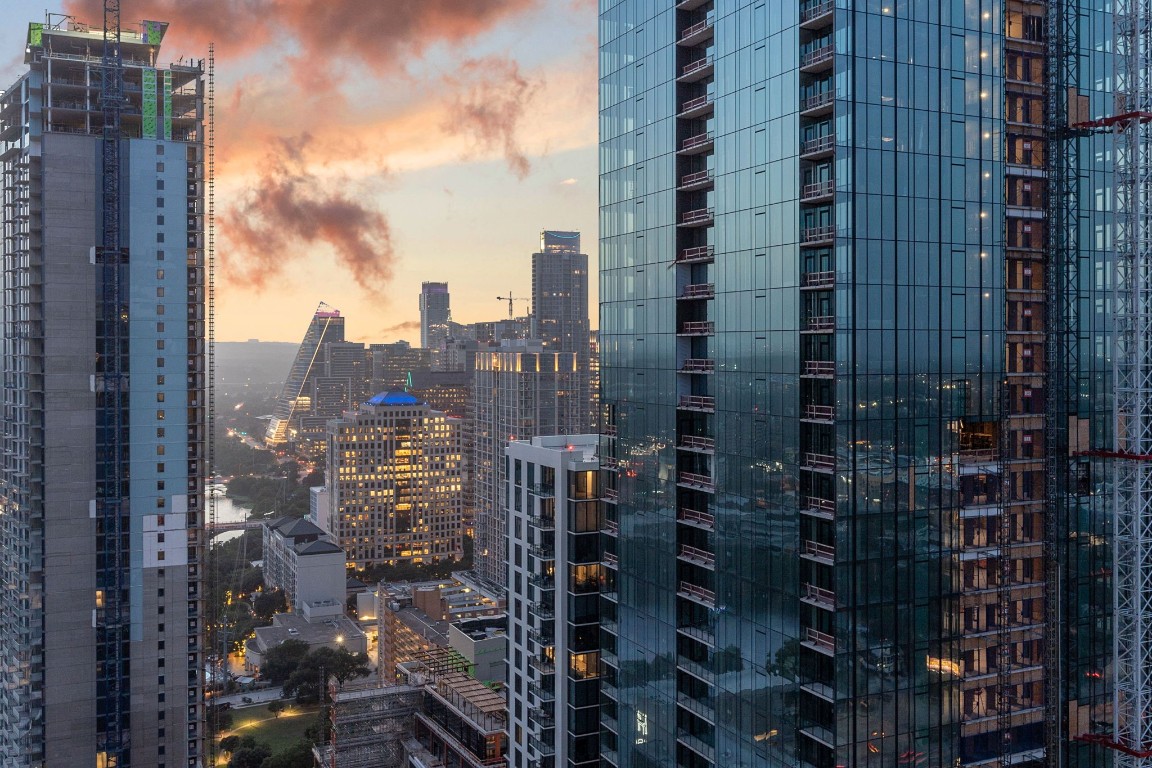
(876, 381)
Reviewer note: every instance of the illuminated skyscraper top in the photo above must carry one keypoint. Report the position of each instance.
(326, 326)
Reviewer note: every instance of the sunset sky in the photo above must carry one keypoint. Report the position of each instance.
(364, 146)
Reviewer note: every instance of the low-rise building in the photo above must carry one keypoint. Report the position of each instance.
(319, 625)
(301, 559)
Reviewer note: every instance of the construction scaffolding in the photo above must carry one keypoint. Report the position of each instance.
(369, 726)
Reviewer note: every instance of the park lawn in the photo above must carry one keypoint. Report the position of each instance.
(277, 732)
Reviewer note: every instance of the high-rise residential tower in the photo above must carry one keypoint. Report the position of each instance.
(519, 392)
(435, 314)
(394, 489)
(854, 345)
(560, 302)
(325, 327)
(104, 425)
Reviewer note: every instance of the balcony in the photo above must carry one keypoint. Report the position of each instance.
(818, 148)
(816, 15)
(696, 34)
(697, 328)
(699, 254)
(611, 527)
(543, 665)
(545, 582)
(819, 641)
(608, 430)
(823, 414)
(697, 107)
(699, 291)
(818, 104)
(691, 182)
(611, 495)
(610, 463)
(698, 70)
(696, 518)
(697, 443)
(819, 324)
(698, 144)
(820, 462)
(818, 235)
(704, 365)
(704, 750)
(818, 596)
(545, 635)
(542, 551)
(542, 611)
(542, 490)
(543, 523)
(696, 481)
(699, 707)
(697, 594)
(815, 281)
(701, 217)
(697, 556)
(541, 693)
(701, 634)
(821, 553)
(819, 60)
(819, 369)
(611, 559)
(818, 191)
(700, 403)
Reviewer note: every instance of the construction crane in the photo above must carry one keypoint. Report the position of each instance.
(510, 298)
(1131, 453)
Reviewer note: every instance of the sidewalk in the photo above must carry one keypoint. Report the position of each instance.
(257, 697)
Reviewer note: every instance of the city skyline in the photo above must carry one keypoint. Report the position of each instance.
(466, 121)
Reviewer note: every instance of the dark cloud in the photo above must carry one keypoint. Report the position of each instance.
(491, 99)
(289, 207)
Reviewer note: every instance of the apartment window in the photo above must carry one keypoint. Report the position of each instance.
(159, 395)
(159, 183)
(160, 167)
(160, 468)
(160, 414)
(159, 362)
(160, 432)
(159, 149)
(160, 378)
(159, 255)
(160, 235)
(160, 202)
(160, 291)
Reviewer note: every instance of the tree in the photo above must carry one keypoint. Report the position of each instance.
(251, 580)
(250, 757)
(276, 707)
(319, 666)
(267, 603)
(787, 660)
(230, 744)
(282, 661)
(299, 755)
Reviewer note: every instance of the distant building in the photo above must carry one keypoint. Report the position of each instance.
(391, 365)
(560, 304)
(518, 394)
(462, 723)
(555, 578)
(484, 643)
(435, 314)
(295, 398)
(301, 560)
(394, 483)
(451, 392)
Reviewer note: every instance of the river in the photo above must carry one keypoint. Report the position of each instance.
(228, 511)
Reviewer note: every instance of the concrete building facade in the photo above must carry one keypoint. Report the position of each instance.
(301, 559)
(101, 526)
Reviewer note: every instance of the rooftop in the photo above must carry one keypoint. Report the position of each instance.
(293, 626)
(395, 398)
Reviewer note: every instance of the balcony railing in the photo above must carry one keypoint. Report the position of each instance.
(688, 589)
(697, 253)
(695, 31)
(819, 412)
(819, 368)
(813, 11)
(824, 552)
(697, 179)
(696, 480)
(824, 597)
(608, 430)
(611, 527)
(815, 58)
(818, 190)
(700, 104)
(610, 463)
(817, 101)
(820, 323)
(818, 145)
(696, 517)
(543, 523)
(697, 403)
(825, 279)
(697, 141)
(543, 665)
(610, 494)
(542, 490)
(699, 291)
(542, 610)
(698, 328)
(695, 442)
(610, 559)
(819, 461)
(699, 365)
(697, 555)
(697, 67)
(818, 234)
(697, 217)
(820, 640)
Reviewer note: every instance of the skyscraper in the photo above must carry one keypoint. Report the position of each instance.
(394, 489)
(846, 412)
(102, 349)
(435, 314)
(560, 303)
(295, 400)
(519, 392)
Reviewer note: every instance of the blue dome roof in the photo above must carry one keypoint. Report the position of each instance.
(394, 398)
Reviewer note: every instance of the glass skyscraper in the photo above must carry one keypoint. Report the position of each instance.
(848, 519)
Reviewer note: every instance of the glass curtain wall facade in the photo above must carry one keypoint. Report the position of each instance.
(824, 381)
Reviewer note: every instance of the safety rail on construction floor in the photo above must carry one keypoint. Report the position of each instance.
(696, 517)
(696, 253)
(697, 555)
(697, 481)
(820, 368)
(696, 442)
(697, 67)
(825, 598)
(699, 291)
(697, 328)
(697, 142)
(699, 365)
(818, 413)
(698, 104)
(817, 190)
(696, 592)
(818, 551)
(820, 640)
(698, 217)
(821, 461)
(820, 323)
(696, 403)
(824, 279)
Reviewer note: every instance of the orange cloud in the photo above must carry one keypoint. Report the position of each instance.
(491, 97)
